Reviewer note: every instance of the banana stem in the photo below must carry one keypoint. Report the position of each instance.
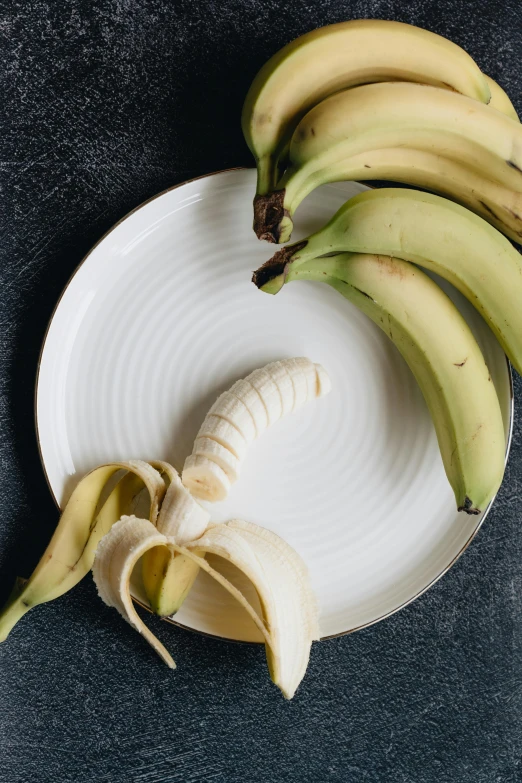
(272, 275)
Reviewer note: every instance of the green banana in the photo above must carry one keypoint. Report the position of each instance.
(334, 58)
(87, 517)
(432, 232)
(388, 116)
(443, 355)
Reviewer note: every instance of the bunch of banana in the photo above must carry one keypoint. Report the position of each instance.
(420, 117)
(432, 232)
(99, 529)
(397, 226)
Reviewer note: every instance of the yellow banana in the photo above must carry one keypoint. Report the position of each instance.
(432, 232)
(385, 116)
(334, 58)
(442, 353)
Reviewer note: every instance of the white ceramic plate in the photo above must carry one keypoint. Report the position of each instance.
(161, 317)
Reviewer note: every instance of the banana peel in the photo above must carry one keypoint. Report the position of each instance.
(70, 553)
(288, 619)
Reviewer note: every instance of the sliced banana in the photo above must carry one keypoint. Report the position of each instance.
(289, 619)
(323, 382)
(283, 381)
(268, 390)
(214, 451)
(310, 373)
(262, 398)
(224, 433)
(300, 382)
(233, 410)
(245, 392)
(205, 479)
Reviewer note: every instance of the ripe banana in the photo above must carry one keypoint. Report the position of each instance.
(334, 58)
(443, 355)
(168, 576)
(289, 614)
(243, 413)
(385, 116)
(432, 232)
(500, 100)
(497, 204)
(86, 518)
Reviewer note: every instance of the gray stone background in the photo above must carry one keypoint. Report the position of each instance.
(103, 104)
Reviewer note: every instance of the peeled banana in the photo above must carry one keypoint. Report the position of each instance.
(86, 518)
(289, 612)
(168, 576)
(241, 414)
(397, 115)
(443, 355)
(432, 232)
(333, 58)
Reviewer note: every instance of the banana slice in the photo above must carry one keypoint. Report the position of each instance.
(233, 410)
(245, 392)
(205, 479)
(116, 555)
(267, 389)
(323, 382)
(288, 621)
(283, 381)
(300, 382)
(262, 398)
(214, 451)
(224, 433)
(85, 520)
(310, 373)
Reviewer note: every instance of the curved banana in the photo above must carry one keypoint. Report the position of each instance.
(168, 576)
(432, 232)
(334, 58)
(497, 204)
(443, 355)
(288, 621)
(84, 521)
(500, 99)
(385, 116)
(242, 414)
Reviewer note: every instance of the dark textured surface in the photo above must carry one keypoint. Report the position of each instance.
(103, 105)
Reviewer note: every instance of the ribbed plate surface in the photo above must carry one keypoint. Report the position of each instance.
(162, 317)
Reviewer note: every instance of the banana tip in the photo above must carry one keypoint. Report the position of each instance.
(468, 507)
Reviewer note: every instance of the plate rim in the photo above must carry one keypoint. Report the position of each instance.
(140, 603)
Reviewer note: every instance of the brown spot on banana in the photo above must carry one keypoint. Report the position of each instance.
(514, 165)
(468, 507)
(460, 364)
